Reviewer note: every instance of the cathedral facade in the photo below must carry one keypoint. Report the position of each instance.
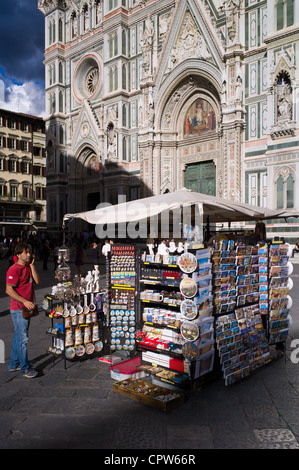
(145, 97)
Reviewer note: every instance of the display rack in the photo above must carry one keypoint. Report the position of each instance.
(176, 334)
(77, 329)
(77, 310)
(280, 301)
(121, 275)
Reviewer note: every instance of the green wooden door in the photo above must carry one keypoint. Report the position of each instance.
(201, 177)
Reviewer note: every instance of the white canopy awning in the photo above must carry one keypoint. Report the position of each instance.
(215, 209)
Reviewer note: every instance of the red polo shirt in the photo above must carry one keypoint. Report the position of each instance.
(20, 278)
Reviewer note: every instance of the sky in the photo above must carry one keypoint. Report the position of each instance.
(22, 55)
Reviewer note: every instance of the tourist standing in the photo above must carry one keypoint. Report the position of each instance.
(20, 278)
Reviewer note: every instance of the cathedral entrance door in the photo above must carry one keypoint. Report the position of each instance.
(201, 178)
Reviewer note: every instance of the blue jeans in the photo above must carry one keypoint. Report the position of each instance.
(18, 352)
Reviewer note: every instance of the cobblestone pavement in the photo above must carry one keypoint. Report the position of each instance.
(77, 408)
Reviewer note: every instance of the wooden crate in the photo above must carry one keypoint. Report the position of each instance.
(135, 389)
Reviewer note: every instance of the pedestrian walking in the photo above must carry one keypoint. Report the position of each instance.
(20, 279)
(94, 254)
(106, 248)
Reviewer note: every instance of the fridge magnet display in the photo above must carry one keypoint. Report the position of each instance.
(188, 287)
(189, 331)
(187, 262)
(188, 309)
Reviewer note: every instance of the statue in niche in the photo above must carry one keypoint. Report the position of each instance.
(111, 142)
(146, 40)
(239, 90)
(223, 92)
(151, 115)
(99, 11)
(74, 26)
(284, 106)
(232, 8)
(284, 97)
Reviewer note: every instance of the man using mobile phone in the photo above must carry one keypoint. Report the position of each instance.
(20, 278)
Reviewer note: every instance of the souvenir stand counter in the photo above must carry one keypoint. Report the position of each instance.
(78, 312)
(232, 297)
(183, 311)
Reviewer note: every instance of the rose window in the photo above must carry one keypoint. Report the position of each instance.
(92, 80)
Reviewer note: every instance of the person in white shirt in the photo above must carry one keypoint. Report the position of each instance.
(106, 248)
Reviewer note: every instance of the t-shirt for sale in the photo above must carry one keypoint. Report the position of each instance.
(20, 278)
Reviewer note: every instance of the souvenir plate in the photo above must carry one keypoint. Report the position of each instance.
(188, 309)
(80, 350)
(187, 262)
(190, 351)
(90, 348)
(98, 346)
(188, 287)
(189, 331)
(70, 353)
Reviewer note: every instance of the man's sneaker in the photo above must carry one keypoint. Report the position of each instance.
(15, 369)
(30, 373)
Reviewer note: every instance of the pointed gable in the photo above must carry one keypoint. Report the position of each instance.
(190, 35)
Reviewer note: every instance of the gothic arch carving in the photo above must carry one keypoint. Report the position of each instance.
(84, 154)
(190, 74)
(285, 172)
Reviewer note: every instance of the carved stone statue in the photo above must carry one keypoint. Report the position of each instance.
(284, 106)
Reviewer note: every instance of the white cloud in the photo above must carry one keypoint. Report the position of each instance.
(28, 98)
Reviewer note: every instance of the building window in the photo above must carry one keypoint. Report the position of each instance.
(2, 189)
(52, 32)
(61, 135)
(60, 102)
(60, 30)
(124, 77)
(113, 78)
(285, 190)
(26, 192)
(112, 4)
(25, 167)
(113, 45)
(61, 163)
(12, 166)
(13, 192)
(284, 13)
(60, 72)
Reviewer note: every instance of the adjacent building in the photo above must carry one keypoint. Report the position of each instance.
(22, 173)
(147, 96)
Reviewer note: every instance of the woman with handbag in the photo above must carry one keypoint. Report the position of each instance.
(19, 286)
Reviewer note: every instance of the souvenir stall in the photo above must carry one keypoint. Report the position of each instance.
(176, 307)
